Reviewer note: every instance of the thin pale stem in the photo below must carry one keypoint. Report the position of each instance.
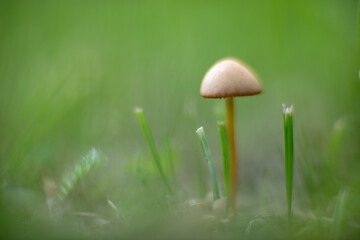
(232, 150)
(205, 146)
(153, 149)
(338, 215)
(171, 167)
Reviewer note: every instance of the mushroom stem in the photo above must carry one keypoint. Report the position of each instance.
(232, 150)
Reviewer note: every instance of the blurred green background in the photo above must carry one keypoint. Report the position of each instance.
(71, 73)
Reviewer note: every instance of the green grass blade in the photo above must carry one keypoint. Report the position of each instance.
(74, 175)
(200, 173)
(338, 215)
(332, 159)
(289, 155)
(170, 157)
(225, 153)
(150, 140)
(205, 146)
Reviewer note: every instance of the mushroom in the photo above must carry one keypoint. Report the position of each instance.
(229, 78)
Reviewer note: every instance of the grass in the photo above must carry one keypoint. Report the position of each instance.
(145, 127)
(225, 155)
(289, 156)
(205, 146)
(81, 169)
(339, 213)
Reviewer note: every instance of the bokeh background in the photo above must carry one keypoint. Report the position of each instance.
(72, 72)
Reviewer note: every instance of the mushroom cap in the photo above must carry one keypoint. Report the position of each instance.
(229, 78)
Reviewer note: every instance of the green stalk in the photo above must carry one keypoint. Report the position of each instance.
(225, 153)
(205, 146)
(289, 155)
(332, 159)
(339, 212)
(171, 167)
(201, 181)
(150, 140)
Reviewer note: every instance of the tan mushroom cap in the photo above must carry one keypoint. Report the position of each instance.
(229, 78)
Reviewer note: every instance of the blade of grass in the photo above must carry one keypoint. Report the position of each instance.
(289, 155)
(200, 173)
(225, 153)
(205, 146)
(150, 140)
(338, 214)
(333, 149)
(171, 167)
